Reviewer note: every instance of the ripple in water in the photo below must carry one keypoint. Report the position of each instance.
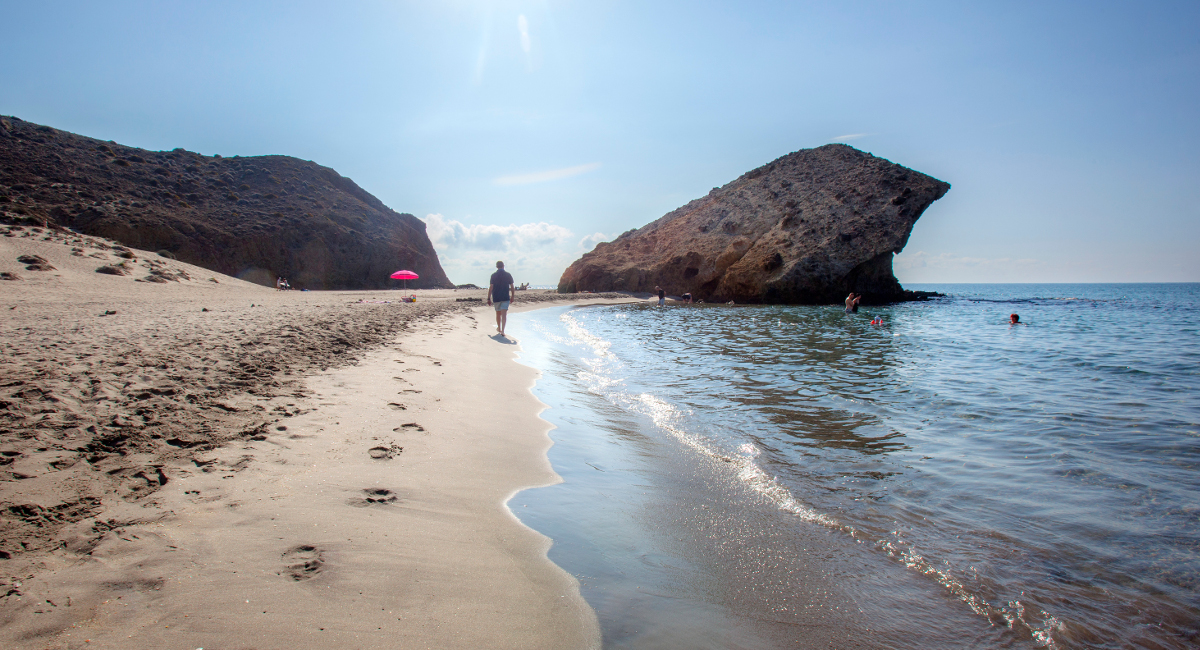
(1044, 475)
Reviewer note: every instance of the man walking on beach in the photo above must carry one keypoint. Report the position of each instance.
(501, 292)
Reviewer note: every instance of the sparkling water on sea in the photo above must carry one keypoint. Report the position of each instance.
(955, 481)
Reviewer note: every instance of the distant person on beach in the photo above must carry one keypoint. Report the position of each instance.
(500, 293)
(662, 296)
(687, 297)
(852, 301)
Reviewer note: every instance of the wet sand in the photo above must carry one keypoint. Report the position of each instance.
(202, 462)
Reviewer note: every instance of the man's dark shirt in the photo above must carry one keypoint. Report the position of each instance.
(501, 281)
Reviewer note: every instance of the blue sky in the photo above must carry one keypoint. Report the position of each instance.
(527, 131)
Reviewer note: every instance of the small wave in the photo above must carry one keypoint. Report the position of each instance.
(1035, 300)
(1015, 615)
(580, 334)
(667, 417)
(601, 379)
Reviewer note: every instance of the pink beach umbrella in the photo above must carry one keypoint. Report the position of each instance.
(406, 276)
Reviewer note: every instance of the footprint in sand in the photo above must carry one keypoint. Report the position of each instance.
(398, 407)
(410, 426)
(205, 464)
(374, 497)
(302, 562)
(385, 453)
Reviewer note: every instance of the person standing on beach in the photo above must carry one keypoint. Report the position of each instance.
(500, 292)
(662, 296)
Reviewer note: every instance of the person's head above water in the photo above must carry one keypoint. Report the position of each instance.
(1013, 318)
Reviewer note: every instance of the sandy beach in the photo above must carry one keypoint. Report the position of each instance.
(196, 461)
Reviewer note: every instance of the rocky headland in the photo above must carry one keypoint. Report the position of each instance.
(807, 228)
(255, 218)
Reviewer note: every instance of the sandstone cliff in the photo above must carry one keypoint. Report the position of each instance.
(255, 217)
(807, 228)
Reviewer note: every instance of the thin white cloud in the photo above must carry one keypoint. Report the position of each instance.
(484, 45)
(850, 136)
(542, 177)
(589, 242)
(450, 233)
(533, 252)
(523, 29)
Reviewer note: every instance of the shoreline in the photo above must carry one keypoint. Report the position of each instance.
(165, 440)
(678, 546)
(896, 458)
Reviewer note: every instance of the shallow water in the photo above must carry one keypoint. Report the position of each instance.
(938, 481)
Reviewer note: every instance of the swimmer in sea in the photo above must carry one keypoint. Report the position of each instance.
(1014, 319)
(852, 301)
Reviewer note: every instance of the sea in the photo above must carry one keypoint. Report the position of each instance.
(917, 475)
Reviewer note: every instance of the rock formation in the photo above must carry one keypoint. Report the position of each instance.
(256, 217)
(807, 228)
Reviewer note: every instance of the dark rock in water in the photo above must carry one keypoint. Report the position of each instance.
(807, 228)
(256, 218)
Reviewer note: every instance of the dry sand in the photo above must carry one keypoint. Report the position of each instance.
(202, 462)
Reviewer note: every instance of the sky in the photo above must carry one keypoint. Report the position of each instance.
(528, 131)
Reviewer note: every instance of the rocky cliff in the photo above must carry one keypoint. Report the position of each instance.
(807, 228)
(256, 217)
